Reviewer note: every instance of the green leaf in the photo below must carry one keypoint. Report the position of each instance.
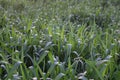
(90, 63)
(15, 67)
(59, 76)
(43, 55)
(69, 49)
(50, 70)
(51, 57)
(48, 44)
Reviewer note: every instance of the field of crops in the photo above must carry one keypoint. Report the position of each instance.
(59, 39)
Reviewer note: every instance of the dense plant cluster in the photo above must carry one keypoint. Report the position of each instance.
(59, 39)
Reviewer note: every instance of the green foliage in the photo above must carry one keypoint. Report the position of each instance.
(59, 39)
